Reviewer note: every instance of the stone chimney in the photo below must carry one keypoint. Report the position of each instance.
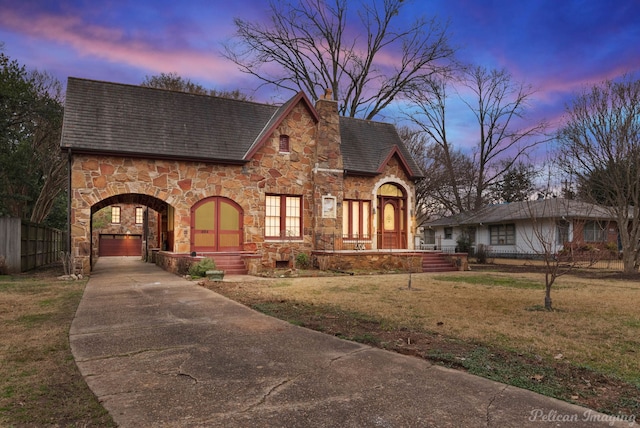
(328, 137)
(328, 174)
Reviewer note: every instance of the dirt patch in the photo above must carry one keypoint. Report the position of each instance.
(549, 376)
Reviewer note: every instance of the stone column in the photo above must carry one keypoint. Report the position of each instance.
(328, 175)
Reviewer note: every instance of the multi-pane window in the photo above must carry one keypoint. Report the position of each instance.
(503, 234)
(284, 143)
(139, 215)
(115, 215)
(283, 216)
(448, 233)
(595, 231)
(356, 217)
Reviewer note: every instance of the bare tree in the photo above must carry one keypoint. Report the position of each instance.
(554, 237)
(600, 146)
(497, 103)
(366, 61)
(436, 194)
(174, 82)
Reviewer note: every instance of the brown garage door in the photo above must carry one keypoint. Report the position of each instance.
(120, 245)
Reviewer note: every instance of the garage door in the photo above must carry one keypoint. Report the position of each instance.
(120, 245)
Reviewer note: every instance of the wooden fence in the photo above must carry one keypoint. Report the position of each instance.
(26, 245)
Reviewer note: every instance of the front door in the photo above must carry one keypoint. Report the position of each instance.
(392, 218)
(216, 225)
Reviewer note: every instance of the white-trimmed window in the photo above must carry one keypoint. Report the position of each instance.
(283, 218)
(115, 215)
(448, 233)
(356, 217)
(502, 234)
(139, 215)
(562, 232)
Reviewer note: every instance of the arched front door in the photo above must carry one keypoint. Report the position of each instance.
(216, 225)
(392, 217)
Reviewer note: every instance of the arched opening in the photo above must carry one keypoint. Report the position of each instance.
(216, 225)
(392, 217)
(130, 224)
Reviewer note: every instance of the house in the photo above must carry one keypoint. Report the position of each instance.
(253, 182)
(525, 228)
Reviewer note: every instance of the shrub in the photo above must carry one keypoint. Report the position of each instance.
(482, 252)
(303, 261)
(200, 269)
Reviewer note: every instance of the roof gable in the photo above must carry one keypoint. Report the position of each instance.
(277, 118)
(367, 147)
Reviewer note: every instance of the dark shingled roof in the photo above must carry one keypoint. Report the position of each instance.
(366, 145)
(134, 120)
(105, 117)
(539, 209)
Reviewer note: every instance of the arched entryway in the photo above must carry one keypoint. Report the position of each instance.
(130, 224)
(392, 217)
(216, 225)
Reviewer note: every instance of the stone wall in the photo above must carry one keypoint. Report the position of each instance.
(369, 261)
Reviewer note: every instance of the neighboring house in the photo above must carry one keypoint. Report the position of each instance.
(259, 181)
(525, 228)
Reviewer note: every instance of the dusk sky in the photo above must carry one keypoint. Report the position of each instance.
(557, 46)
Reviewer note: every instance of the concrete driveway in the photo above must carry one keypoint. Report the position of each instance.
(160, 351)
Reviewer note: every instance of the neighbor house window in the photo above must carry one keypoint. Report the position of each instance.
(356, 217)
(595, 231)
(284, 143)
(139, 215)
(283, 216)
(562, 232)
(115, 215)
(448, 233)
(502, 234)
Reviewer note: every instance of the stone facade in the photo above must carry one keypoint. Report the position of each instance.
(311, 169)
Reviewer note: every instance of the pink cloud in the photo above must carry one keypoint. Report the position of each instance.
(114, 45)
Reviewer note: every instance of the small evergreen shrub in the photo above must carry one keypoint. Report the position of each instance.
(303, 261)
(200, 269)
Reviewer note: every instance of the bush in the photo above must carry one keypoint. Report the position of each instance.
(482, 252)
(200, 269)
(303, 261)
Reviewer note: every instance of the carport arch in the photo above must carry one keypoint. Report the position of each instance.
(161, 207)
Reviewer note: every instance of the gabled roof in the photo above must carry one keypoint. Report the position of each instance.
(133, 120)
(525, 210)
(367, 147)
(129, 120)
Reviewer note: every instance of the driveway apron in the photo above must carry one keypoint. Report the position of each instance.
(160, 351)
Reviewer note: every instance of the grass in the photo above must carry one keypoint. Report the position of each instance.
(40, 384)
(488, 323)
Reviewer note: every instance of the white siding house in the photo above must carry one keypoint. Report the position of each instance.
(524, 228)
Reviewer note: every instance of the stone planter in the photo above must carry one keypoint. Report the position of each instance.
(215, 275)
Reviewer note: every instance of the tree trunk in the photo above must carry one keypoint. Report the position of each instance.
(629, 260)
(547, 298)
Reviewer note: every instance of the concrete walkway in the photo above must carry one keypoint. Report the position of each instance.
(160, 351)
